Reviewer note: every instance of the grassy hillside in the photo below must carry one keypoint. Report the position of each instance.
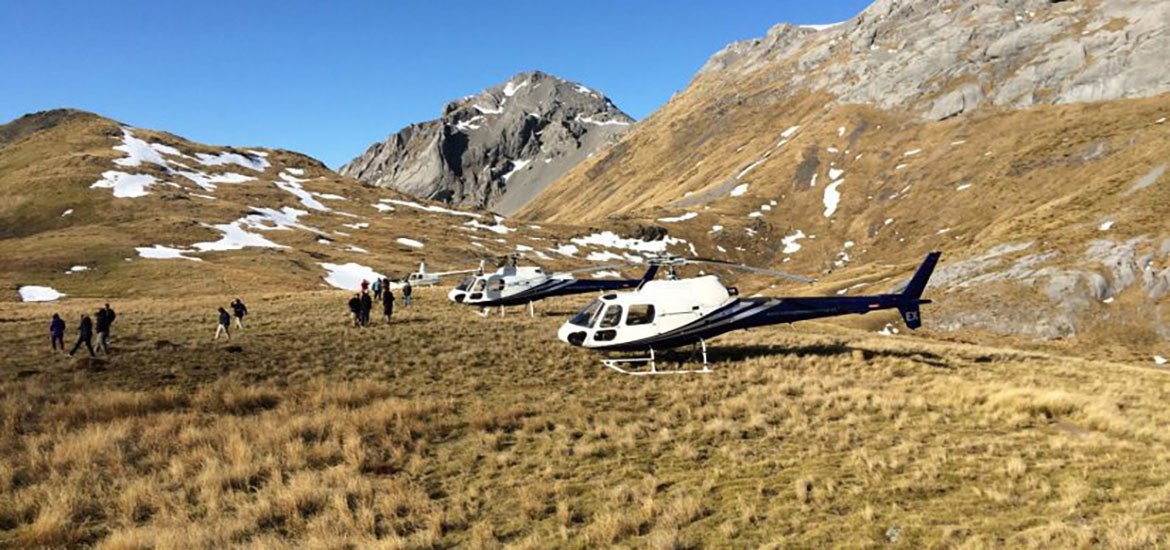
(450, 429)
(1074, 194)
(290, 215)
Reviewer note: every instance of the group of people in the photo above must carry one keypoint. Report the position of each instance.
(85, 331)
(239, 310)
(362, 303)
(103, 320)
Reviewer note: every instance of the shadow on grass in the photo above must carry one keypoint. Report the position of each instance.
(738, 353)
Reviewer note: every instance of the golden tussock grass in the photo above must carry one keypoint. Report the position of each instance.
(447, 429)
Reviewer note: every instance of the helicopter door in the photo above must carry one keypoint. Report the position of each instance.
(495, 286)
(609, 321)
(477, 290)
(640, 314)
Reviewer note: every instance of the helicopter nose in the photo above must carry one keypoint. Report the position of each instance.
(571, 335)
(456, 296)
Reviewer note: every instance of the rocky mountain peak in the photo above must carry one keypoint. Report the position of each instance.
(941, 58)
(496, 149)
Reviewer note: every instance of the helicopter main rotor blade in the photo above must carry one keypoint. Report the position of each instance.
(760, 270)
(595, 268)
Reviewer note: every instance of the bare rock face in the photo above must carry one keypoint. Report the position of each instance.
(498, 149)
(942, 58)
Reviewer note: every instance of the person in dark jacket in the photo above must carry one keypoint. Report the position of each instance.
(84, 335)
(57, 332)
(225, 324)
(355, 308)
(387, 303)
(105, 320)
(365, 285)
(367, 307)
(239, 310)
(406, 293)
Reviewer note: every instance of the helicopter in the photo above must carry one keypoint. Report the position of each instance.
(513, 285)
(666, 314)
(424, 278)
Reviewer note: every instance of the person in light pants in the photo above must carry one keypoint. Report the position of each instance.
(239, 310)
(224, 326)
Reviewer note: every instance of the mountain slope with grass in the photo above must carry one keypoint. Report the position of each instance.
(497, 149)
(91, 207)
(826, 152)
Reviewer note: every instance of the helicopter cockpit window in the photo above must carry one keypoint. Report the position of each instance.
(478, 286)
(613, 316)
(585, 318)
(465, 283)
(640, 315)
(496, 285)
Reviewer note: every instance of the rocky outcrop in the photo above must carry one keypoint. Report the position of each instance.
(942, 58)
(497, 149)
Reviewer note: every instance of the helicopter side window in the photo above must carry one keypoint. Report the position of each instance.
(640, 315)
(478, 286)
(613, 316)
(496, 285)
(585, 318)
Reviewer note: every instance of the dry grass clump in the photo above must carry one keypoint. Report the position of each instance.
(419, 435)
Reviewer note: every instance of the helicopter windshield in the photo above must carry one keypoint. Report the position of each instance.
(587, 315)
(465, 283)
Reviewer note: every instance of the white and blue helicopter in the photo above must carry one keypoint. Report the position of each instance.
(514, 285)
(665, 314)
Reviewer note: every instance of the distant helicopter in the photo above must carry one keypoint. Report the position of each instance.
(667, 314)
(424, 278)
(514, 285)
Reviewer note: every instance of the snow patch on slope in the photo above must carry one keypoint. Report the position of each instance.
(160, 252)
(125, 186)
(34, 293)
(832, 198)
(349, 276)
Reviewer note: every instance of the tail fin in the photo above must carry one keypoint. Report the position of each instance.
(649, 276)
(911, 296)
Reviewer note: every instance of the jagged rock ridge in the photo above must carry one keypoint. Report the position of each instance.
(942, 58)
(497, 149)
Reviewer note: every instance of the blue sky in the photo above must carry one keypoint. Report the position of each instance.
(329, 78)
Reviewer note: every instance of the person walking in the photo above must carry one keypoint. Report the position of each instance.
(239, 310)
(387, 304)
(224, 326)
(355, 309)
(406, 293)
(367, 307)
(105, 320)
(377, 288)
(84, 336)
(57, 332)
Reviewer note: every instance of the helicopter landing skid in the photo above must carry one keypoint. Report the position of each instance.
(650, 361)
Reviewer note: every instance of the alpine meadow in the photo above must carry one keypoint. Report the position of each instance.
(898, 281)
